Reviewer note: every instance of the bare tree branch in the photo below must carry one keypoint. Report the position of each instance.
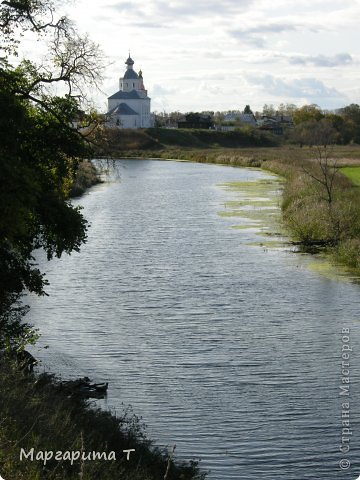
(321, 137)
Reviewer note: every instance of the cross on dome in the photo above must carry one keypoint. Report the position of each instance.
(129, 62)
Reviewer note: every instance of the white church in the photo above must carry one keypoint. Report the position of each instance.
(130, 106)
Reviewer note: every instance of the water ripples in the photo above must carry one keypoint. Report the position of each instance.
(230, 351)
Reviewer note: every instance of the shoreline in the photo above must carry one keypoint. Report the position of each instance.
(59, 435)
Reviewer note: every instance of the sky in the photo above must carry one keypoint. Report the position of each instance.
(224, 54)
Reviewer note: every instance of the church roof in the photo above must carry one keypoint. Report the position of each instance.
(133, 95)
(131, 74)
(122, 109)
(129, 61)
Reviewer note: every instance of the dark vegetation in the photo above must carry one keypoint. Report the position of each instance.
(36, 413)
(43, 162)
(117, 142)
(39, 149)
(209, 138)
(85, 177)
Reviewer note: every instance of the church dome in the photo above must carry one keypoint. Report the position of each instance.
(131, 74)
(129, 61)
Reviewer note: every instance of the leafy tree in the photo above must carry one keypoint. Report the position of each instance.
(287, 109)
(164, 119)
(247, 109)
(307, 113)
(351, 112)
(268, 110)
(39, 148)
(341, 125)
(218, 118)
(351, 126)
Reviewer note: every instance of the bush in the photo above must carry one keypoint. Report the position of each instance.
(86, 176)
(348, 253)
(309, 221)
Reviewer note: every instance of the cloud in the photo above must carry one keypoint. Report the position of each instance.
(171, 11)
(126, 7)
(185, 8)
(206, 88)
(180, 44)
(322, 60)
(158, 90)
(271, 28)
(276, 57)
(310, 88)
(257, 35)
(149, 25)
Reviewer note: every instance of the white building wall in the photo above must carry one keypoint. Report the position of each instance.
(141, 105)
(128, 84)
(124, 121)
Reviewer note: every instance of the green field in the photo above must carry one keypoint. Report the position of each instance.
(353, 173)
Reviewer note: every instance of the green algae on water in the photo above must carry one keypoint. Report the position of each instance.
(256, 202)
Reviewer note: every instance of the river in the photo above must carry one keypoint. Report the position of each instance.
(229, 348)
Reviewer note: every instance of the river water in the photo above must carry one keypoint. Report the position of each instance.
(229, 349)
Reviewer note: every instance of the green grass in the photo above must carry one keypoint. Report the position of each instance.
(353, 173)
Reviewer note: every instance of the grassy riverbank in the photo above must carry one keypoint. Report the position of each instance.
(36, 414)
(314, 222)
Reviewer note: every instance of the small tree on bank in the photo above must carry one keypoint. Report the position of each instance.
(321, 138)
(315, 206)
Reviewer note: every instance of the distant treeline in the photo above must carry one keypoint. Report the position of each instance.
(345, 120)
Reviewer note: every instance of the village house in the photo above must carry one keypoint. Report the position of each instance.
(196, 120)
(275, 124)
(235, 119)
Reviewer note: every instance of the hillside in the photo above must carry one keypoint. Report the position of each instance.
(117, 141)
